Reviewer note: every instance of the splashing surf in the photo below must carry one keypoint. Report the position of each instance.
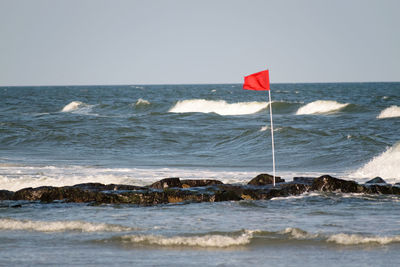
(321, 107)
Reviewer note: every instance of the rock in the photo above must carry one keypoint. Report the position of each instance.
(172, 190)
(228, 192)
(90, 186)
(69, 194)
(6, 195)
(168, 195)
(119, 187)
(108, 187)
(228, 195)
(331, 184)
(199, 183)
(31, 194)
(290, 189)
(376, 180)
(379, 189)
(167, 183)
(265, 179)
(395, 190)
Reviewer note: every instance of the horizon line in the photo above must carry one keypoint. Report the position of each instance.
(157, 84)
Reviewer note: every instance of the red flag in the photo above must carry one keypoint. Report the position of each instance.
(258, 81)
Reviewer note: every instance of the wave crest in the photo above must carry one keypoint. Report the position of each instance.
(321, 107)
(78, 107)
(220, 107)
(256, 237)
(298, 233)
(142, 101)
(59, 226)
(385, 165)
(74, 105)
(390, 112)
(354, 239)
(341, 238)
(209, 240)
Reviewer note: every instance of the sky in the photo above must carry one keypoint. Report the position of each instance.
(93, 42)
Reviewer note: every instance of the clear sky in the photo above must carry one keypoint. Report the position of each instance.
(69, 42)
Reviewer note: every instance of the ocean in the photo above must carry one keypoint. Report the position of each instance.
(138, 134)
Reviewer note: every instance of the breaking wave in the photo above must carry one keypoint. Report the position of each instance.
(385, 165)
(390, 112)
(208, 240)
(220, 107)
(355, 239)
(15, 177)
(141, 101)
(74, 105)
(77, 107)
(255, 237)
(298, 233)
(321, 107)
(340, 238)
(59, 226)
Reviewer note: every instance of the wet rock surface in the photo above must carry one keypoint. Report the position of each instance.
(328, 183)
(264, 179)
(175, 190)
(167, 183)
(6, 195)
(376, 180)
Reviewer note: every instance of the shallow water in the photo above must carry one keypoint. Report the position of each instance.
(344, 229)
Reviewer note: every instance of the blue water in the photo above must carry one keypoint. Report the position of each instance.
(142, 133)
(111, 130)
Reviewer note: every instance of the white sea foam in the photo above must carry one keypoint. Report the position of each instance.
(141, 101)
(220, 107)
(211, 240)
(59, 226)
(304, 195)
(341, 238)
(74, 105)
(385, 165)
(355, 239)
(14, 177)
(78, 107)
(17, 177)
(390, 112)
(321, 107)
(298, 233)
(267, 127)
(245, 238)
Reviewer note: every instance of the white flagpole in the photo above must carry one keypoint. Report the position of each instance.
(272, 136)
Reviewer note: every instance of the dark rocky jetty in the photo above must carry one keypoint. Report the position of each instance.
(175, 190)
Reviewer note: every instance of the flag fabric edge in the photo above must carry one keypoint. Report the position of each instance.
(258, 81)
